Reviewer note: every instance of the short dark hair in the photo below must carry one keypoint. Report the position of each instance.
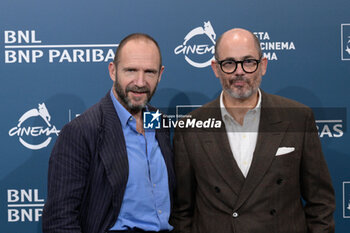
(136, 36)
(256, 42)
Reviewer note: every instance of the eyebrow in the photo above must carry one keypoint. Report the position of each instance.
(243, 58)
(137, 69)
(129, 68)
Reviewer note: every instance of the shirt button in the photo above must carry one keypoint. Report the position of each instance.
(273, 212)
(235, 215)
(279, 181)
(154, 185)
(159, 211)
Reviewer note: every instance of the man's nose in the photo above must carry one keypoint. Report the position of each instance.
(140, 79)
(239, 70)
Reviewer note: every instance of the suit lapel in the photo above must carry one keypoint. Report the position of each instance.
(217, 147)
(271, 133)
(219, 153)
(112, 147)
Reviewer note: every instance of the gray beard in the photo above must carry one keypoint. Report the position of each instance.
(126, 101)
(240, 96)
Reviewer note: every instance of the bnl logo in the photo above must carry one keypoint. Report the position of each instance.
(346, 199)
(345, 42)
(151, 120)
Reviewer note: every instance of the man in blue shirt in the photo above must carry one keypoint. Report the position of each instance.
(106, 172)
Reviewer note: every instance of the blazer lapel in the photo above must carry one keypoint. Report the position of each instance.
(112, 147)
(217, 147)
(220, 154)
(271, 133)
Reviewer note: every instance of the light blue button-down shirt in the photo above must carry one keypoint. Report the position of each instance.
(146, 203)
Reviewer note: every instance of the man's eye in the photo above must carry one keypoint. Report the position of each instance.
(229, 63)
(151, 72)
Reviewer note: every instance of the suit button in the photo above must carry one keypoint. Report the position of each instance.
(279, 181)
(273, 212)
(217, 189)
(235, 215)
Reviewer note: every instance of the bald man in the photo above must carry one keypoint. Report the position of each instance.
(263, 170)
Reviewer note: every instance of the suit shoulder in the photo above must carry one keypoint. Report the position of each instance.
(280, 101)
(89, 120)
(205, 109)
(286, 107)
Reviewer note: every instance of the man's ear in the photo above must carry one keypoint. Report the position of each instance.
(214, 66)
(160, 73)
(263, 65)
(112, 68)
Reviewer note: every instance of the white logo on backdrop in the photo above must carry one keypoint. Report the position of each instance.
(345, 41)
(34, 131)
(24, 205)
(346, 199)
(24, 46)
(330, 128)
(202, 49)
(270, 48)
(348, 46)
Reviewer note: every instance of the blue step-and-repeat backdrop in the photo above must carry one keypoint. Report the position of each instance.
(53, 66)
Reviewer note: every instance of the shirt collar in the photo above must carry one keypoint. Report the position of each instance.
(224, 112)
(123, 114)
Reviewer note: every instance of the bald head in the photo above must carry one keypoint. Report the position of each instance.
(137, 37)
(237, 34)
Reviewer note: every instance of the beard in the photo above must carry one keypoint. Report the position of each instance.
(242, 94)
(127, 102)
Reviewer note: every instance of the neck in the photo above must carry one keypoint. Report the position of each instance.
(238, 108)
(136, 114)
(139, 120)
(139, 124)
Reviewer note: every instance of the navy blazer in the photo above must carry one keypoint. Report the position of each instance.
(88, 172)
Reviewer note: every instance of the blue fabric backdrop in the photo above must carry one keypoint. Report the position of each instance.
(53, 66)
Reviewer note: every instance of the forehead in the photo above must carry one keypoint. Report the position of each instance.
(238, 45)
(139, 52)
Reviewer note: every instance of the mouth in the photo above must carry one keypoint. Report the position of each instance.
(138, 93)
(238, 83)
